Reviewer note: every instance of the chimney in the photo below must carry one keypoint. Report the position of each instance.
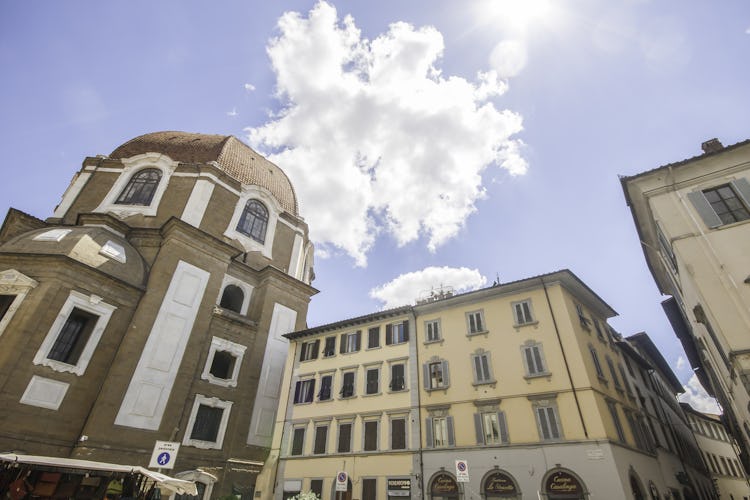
(712, 146)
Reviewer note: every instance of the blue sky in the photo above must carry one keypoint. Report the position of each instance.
(430, 142)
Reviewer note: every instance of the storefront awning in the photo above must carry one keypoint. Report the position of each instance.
(179, 486)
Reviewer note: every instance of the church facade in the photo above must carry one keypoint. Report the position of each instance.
(151, 306)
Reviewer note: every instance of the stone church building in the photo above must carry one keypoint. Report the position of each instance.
(151, 306)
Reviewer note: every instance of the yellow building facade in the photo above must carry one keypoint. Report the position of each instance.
(692, 220)
(519, 390)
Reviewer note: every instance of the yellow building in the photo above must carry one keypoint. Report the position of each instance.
(692, 220)
(514, 391)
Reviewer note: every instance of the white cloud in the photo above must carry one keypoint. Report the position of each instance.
(233, 112)
(508, 58)
(407, 288)
(681, 363)
(696, 396)
(375, 138)
(249, 87)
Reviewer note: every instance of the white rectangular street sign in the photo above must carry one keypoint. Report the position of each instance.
(164, 455)
(462, 471)
(341, 481)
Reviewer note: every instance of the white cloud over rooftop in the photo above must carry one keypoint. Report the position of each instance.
(375, 138)
(407, 288)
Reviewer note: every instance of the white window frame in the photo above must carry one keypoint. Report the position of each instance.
(293, 431)
(370, 420)
(200, 399)
(236, 350)
(430, 383)
(531, 345)
(518, 313)
(330, 388)
(473, 315)
(15, 283)
(494, 418)
(303, 381)
(390, 373)
(54, 235)
(354, 384)
(442, 423)
(432, 331)
(368, 369)
(90, 303)
(405, 418)
(351, 342)
(546, 405)
(246, 288)
(480, 378)
(248, 193)
(400, 326)
(308, 350)
(132, 166)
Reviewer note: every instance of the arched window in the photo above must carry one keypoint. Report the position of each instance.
(254, 221)
(141, 188)
(232, 298)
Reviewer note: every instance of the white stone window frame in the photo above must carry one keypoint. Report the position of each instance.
(13, 282)
(479, 313)
(132, 166)
(54, 235)
(274, 210)
(482, 354)
(516, 317)
(236, 350)
(436, 327)
(200, 399)
(246, 288)
(545, 403)
(533, 344)
(90, 303)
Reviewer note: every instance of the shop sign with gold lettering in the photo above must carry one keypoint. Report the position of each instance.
(500, 484)
(443, 483)
(562, 483)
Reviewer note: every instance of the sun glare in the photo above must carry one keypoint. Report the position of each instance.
(515, 16)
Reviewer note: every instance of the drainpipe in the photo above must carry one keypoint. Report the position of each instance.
(419, 402)
(565, 359)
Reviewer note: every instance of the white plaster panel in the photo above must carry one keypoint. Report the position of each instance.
(274, 371)
(44, 393)
(167, 344)
(145, 402)
(165, 347)
(296, 260)
(198, 202)
(283, 321)
(265, 423)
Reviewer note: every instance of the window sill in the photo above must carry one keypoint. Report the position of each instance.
(398, 343)
(431, 389)
(531, 376)
(326, 356)
(325, 400)
(436, 341)
(373, 348)
(488, 382)
(341, 398)
(373, 394)
(396, 391)
(521, 325)
(303, 403)
(475, 334)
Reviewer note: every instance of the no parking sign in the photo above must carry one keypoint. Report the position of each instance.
(341, 481)
(462, 471)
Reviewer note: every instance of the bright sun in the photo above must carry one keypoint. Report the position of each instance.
(515, 16)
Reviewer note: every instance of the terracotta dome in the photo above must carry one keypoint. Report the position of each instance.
(231, 155)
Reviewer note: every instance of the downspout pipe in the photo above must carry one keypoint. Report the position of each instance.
(565, 359)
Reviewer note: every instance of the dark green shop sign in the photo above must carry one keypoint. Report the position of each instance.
(500, 484)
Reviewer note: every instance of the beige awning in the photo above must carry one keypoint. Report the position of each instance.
(179, 486)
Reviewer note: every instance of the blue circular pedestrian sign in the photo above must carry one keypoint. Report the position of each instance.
(163, 458)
